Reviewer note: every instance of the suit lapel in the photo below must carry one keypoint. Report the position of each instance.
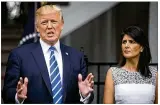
(39, 58)
(66, 69)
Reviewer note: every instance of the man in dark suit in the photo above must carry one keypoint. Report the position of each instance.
(47, 71)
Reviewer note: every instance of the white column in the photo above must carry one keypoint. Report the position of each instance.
(153, 31)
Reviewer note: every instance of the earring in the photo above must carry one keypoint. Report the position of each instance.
(141, 50)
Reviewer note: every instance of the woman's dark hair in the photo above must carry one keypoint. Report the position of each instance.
(145, 56)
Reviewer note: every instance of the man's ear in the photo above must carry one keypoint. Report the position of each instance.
(62, 26)
(37, 29)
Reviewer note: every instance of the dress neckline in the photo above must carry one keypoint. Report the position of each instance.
(128, 70)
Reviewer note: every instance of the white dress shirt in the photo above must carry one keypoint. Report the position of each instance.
(58, 56)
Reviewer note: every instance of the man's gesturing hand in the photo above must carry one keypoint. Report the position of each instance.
(86, 86)
(22, 89)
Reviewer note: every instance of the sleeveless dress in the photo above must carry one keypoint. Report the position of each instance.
(132, 88)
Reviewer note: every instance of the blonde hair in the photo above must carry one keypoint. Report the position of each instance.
(54, 7)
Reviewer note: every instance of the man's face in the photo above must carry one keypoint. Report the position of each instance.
(130, 48)
(49, 25)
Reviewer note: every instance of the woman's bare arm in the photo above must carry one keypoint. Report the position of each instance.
(109, 89)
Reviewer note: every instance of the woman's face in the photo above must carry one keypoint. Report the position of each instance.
(130, 48)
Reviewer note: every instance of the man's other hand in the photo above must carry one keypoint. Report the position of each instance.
(86, 86)
(22, 89)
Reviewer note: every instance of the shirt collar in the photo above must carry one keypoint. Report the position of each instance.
(46, 46)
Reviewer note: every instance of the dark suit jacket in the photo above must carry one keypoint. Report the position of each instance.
(28, 61)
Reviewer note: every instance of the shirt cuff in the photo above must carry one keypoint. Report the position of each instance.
(85, 100)
(17, 101)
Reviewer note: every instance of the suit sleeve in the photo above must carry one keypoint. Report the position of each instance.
(83, 67)
(11, 78)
